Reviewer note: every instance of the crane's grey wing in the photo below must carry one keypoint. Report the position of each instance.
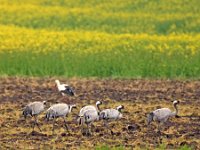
(86, 108)
(162, 114)
(113, 114)
(60, 109)
(37, 108)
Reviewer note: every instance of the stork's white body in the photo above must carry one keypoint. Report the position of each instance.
(64, 88)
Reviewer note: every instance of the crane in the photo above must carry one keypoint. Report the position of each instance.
(34, 109)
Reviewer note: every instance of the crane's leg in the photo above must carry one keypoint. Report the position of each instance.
(66, 126)
(108, 129)
(159, 132)
(54, 121)
(92, 127)
(82, 128)
(88, 131)
(36, 123)
(81, 124)
(33, 126)
(159, 128)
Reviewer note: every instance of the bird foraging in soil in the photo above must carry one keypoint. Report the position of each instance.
(34, 109)
(162, 115)
(88, 118)
(64, 89)
(111, 115)
(89, 107)
(59, 110)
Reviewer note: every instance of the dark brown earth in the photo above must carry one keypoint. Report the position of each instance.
(138, 96)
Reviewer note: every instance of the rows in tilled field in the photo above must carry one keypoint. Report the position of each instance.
(139, 97)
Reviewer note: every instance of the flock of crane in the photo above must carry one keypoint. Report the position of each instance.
(89, 113)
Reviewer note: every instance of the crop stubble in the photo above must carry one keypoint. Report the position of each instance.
(138, 96)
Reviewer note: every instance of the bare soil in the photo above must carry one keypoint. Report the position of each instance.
(139, 97)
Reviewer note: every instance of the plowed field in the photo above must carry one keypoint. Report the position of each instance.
(138, 96)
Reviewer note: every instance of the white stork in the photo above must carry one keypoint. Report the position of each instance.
(64, 89)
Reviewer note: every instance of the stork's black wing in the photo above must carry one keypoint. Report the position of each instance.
(68, 90)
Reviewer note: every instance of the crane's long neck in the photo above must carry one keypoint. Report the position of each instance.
(176, 110)
(98, 109)
(70, 108)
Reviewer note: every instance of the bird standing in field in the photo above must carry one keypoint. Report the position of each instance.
(59, 110)
(34, 109)
(162, 115)
(89, 107)
(87, 118)
(111, 115)
(64, 89)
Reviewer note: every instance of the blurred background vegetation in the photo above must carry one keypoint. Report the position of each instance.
(100, 38)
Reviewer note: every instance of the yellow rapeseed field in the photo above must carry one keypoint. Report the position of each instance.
(119, 37)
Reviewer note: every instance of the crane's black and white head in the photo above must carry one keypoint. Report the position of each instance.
(45, 103)
(176, 102)
(71, 107)
(98, 103)
(119, 108)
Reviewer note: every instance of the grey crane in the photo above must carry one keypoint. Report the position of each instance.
(89, 107)
(111, 115)
(87, 118)
(59, 110)
(34, 109)
(162, 115)
(64, 89)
